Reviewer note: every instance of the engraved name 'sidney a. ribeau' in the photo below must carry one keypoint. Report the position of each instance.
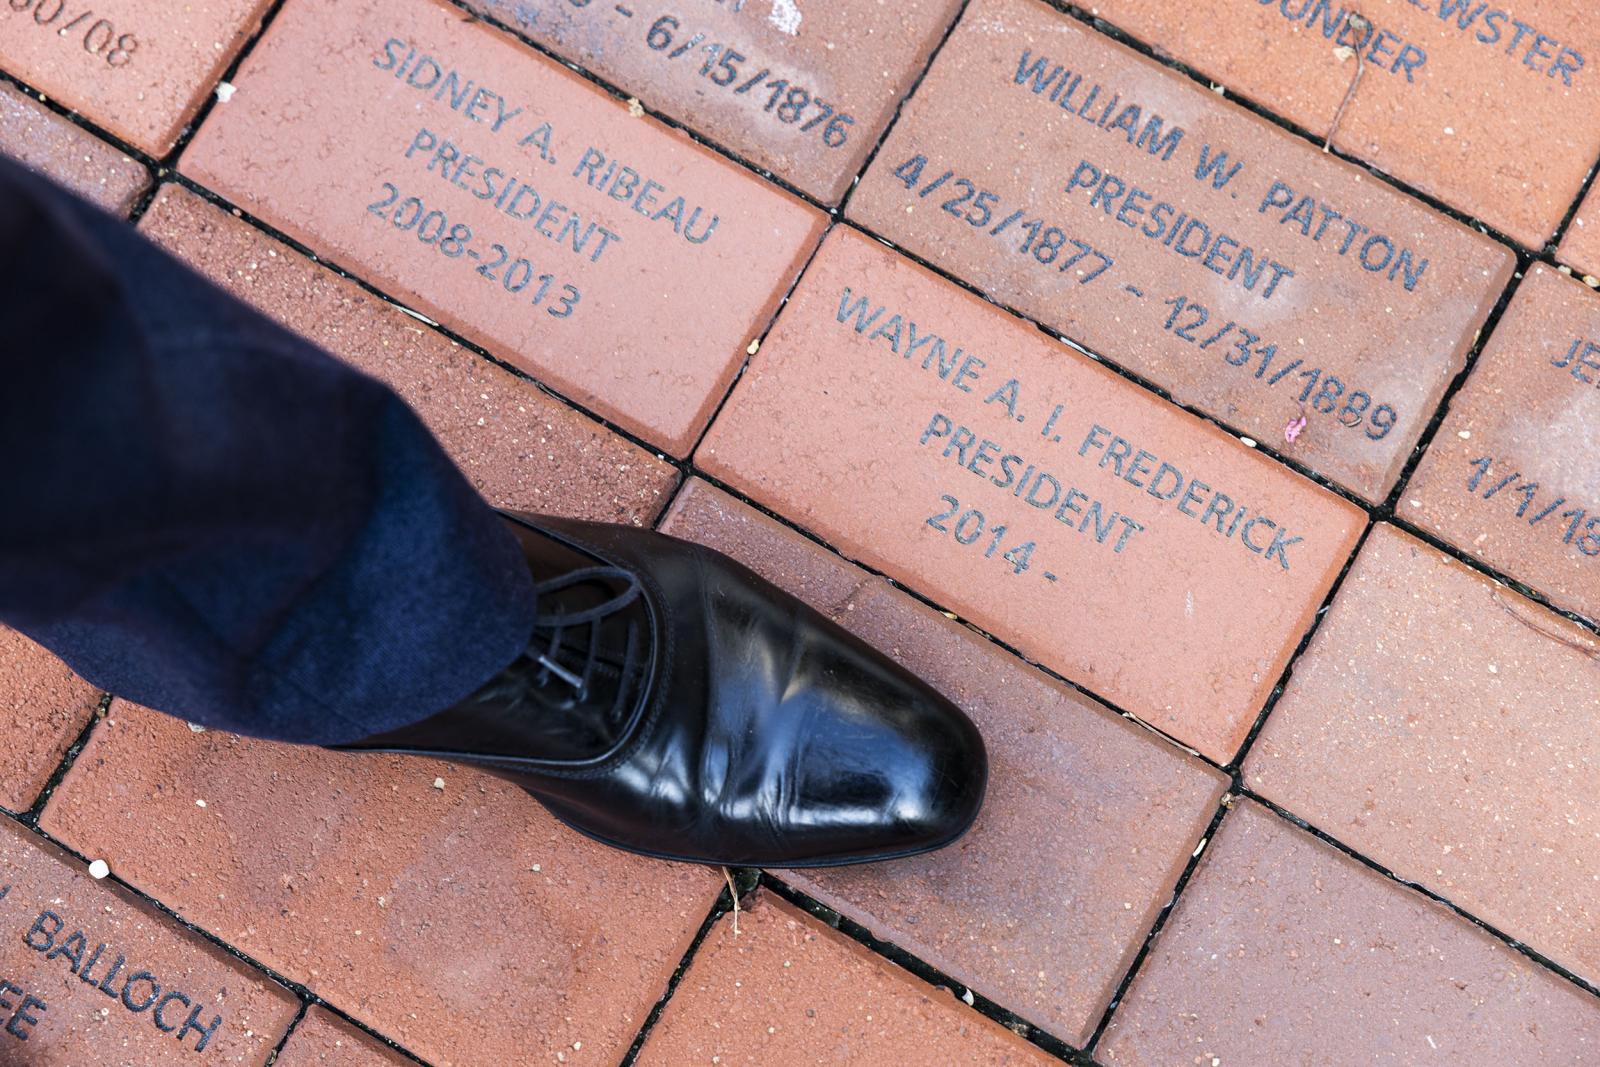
(515, 193)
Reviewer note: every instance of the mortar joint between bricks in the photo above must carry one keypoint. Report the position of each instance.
(1518, 946)
(1121, 36)
(617, 92)
(921, 969)
(899, 106)
(1119, 994)
(719, 907)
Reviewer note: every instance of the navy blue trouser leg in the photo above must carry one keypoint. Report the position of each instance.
(206, 514)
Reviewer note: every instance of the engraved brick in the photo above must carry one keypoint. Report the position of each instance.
(463, 921)
(1580, 246)
(324, 1040)
(1079, 799)
(1295, 287)
(609, 256)
(43, 706)
(520, 447)
(788, 989)
(803, 90)
(1463, 718)
(89, 974)
(1494, 110)
(36, 136)
(136, 69)
(1513, 475)
(1054, 504)
(1284, 950)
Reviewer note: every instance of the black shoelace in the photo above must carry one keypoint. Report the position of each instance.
(551, 628)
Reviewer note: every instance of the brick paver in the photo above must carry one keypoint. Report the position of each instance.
(33, 134)
(1466, 722)
(789, 990)
(1282, 950)
(1580, 246)
(1081, 801)
(513, 201)
(90, 975)
(139, 70)
(803, 90)
(462, 921)
(1438, 726)
(520, 447)
(963, 452)
(43, 706)
(1513, 476)
(1493, 109)
(324, 1040)
(1274, 285)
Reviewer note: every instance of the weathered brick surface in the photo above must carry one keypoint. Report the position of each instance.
(464, 922)
(324, 1040)
(1512, 475)
(961, 451)
(43, 706)
(789, 990)
(1083, 801)
(510, 199)
(1447, 728)
(803, 91)
(33, 134)
(1494, 109)
(91, 975)
(522, 448)
(1580, 246)
(1069, 177)
(139, 70)
(1283, 950)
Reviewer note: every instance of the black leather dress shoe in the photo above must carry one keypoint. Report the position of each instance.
(675, 704)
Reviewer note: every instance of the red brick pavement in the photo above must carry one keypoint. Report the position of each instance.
(1424, 658)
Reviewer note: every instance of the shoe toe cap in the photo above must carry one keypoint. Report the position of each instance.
(902, 775)
(943, 788)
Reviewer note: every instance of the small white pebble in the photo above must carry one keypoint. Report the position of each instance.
(225, 92)
(99, 869)
(438, 783)
(199, 803)
(197, 728)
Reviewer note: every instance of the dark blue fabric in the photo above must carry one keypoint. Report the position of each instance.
(206, 514)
